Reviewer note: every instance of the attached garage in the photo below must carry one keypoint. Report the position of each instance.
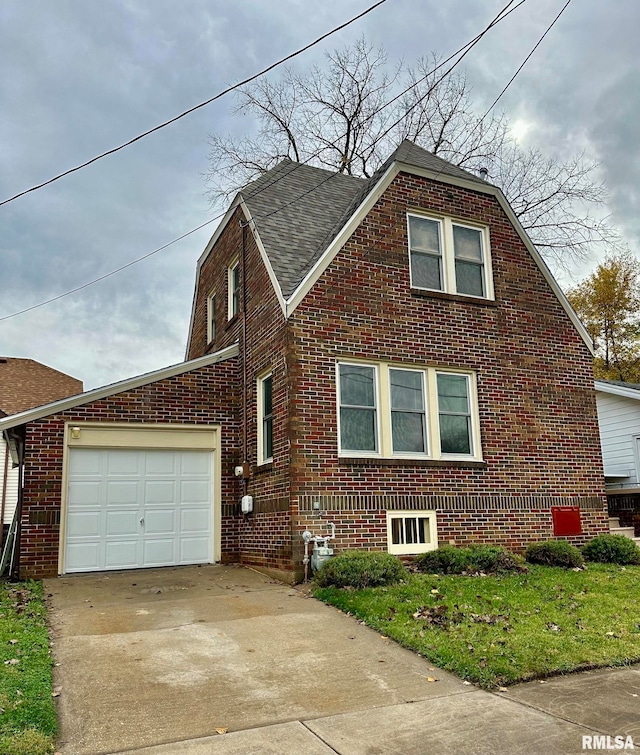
(138, 496)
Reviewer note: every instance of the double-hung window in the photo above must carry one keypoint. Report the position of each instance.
(448, 256)
(357, 396)
(408, 411)
(265, 419)
(233, 289)
(454, 414)
(388, 410)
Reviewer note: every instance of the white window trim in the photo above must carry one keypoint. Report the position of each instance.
(260, 417)
(384, 440)
(472, 396)
(448, 255)
(233, 266)
(412, 548)
(211, 325)
(377, 409)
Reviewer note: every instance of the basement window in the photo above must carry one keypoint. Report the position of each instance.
(411, 532)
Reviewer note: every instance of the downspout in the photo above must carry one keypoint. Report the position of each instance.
(3, 502)
(243, 351)
(19, 438)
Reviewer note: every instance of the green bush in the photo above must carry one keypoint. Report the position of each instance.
(495, 559)
(448, 559)
(554, 553)
(360, 569)
(612, 549)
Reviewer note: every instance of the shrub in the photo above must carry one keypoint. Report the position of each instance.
(447, 559)
(479, 558)
(554, 553)
(494, 559)
(360, 569)
(612, 549)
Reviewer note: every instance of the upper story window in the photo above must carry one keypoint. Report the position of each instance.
(387, 410)
(233, 289)
(211, 318)
(449, 256)
(265, 419)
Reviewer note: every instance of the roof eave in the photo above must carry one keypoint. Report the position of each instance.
(106, 391)
(617, 390)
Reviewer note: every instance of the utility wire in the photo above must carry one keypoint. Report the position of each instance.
(195, 107)
(525, 61)
(113, 272)
(501, 16)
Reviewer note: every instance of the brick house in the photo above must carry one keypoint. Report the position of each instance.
(24, 383)
(390, 355)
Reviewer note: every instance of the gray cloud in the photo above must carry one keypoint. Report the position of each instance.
(79, 77)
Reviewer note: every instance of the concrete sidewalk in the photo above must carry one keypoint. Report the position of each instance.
(155, 662)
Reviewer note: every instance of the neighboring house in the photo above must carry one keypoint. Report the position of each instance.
(619, 418)
(389, 355)
(24, 384)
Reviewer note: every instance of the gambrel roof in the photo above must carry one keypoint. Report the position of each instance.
(301, 216)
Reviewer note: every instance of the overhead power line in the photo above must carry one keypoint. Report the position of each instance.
(525, 61)
(464, 49)
(195, 107)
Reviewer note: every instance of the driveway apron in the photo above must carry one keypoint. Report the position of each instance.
(222, 660)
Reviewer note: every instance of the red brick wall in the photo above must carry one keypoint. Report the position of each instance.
(203, 396)
(265, 537)
(535, 385)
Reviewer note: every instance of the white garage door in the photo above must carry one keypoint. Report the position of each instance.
(132, 508)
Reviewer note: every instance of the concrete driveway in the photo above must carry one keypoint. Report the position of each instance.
(164, 661)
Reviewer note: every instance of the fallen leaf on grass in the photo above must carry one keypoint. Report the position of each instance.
(13, 642)
(221, 730)
(431, 679)
(467, 684)
(502, 689)
(12, 662)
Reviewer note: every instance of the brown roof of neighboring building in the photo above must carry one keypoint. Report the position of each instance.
(25, 384)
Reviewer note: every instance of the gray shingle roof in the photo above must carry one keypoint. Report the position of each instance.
(298, 209)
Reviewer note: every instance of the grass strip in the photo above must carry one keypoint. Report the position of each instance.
(498, 630)
(28, 723)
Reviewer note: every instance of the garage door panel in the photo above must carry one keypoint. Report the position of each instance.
(89, 462)
(111, 490)
(193, 520)
(121, 554)
(160, 491)
(83, 556)
(84, 524)
(123, 463)
(195, 464)
(121, 492)
(159, 521)
(122, 522)
(159, 551)
(193, 550)
(160, 463)
(84, 493)
(195, 491)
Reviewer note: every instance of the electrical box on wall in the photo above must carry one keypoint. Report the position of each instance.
(246, 505)
(566, 520)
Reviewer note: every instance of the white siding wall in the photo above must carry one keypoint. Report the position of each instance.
(619, 420)
(12, 483)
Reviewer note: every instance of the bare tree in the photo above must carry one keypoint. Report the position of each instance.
(351, 114)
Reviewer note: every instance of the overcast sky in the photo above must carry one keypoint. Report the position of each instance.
(78, 77)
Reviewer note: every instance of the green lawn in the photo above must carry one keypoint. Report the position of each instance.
(500, 630)
(27, 716)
